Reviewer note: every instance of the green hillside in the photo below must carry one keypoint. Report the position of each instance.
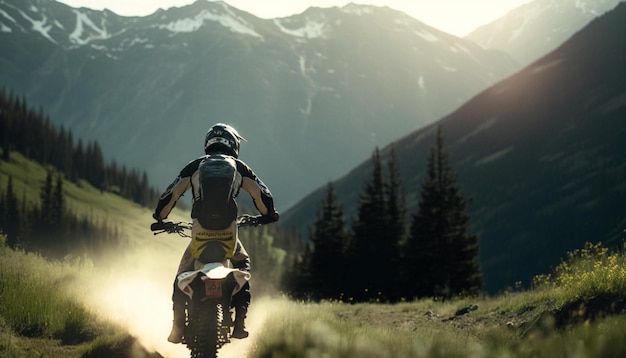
(82, 199)
(65, 308)
(28, 178)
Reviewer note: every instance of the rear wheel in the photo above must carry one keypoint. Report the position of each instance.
(202, 333)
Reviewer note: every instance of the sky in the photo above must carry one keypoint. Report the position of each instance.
(457, 17)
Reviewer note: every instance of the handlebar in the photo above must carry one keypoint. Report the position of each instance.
(180, 227)
(248, 220)
(171, 228)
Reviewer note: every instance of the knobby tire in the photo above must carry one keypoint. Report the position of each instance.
(203, 341)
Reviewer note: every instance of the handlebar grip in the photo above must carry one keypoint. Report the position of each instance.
(157, 226)
(168, 226)
(250, 220)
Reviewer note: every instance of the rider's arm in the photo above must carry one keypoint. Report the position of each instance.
(174, 191)
(259, 192)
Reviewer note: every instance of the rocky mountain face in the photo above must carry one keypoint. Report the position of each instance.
(537, 28)
(313, 93)
(541, 154)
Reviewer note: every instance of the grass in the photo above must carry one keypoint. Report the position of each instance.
(577, 311)
(325, 330)
(40, 309)
(362, 330)
(28, 177)
(590, 271)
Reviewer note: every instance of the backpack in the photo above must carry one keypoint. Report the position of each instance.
(216, 208)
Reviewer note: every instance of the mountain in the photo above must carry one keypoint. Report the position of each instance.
(312, 93)
(541, 154)
(538, 27)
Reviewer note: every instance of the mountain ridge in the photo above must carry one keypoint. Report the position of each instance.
(540, 154)
(538, 27)
(148, 87)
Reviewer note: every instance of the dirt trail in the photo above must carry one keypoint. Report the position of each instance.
(135, 291)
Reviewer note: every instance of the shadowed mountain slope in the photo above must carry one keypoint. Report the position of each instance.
(542, 155)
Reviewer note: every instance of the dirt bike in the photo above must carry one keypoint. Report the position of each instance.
(210, 289)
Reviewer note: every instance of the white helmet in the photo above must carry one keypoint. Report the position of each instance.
(222, 138)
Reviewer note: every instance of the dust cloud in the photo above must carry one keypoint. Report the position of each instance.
(254, 324)
(135, 289)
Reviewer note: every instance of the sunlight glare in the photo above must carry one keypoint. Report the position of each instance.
(141, 305)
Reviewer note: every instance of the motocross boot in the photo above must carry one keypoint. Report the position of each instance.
(178, 325)
(239, 331)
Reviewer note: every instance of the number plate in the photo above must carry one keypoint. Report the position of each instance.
(213, 288)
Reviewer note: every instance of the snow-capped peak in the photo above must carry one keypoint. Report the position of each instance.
(355, 9)
(83, 22)
(226, 18)
(310, 30)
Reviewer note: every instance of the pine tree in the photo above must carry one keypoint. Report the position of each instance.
(373, 249)
(58, 201)
(79, 162)
(10, 221)
(64, 147)
(95, 166)
(47, 202)
(396, 209)
(441, 257)
(329, 238)
(298, 280)
(5, 130)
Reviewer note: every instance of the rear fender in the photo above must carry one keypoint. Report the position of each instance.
(212, 271)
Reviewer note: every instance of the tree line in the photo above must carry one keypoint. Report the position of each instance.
(31, 133)
(384, 254)
(384, 257)
(49, 227)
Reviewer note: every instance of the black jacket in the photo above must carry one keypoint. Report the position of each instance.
(189, 179)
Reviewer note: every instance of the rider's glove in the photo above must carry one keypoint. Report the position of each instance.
(269, 218)
(167, 226)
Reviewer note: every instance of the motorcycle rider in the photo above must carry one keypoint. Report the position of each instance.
(215, 180)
